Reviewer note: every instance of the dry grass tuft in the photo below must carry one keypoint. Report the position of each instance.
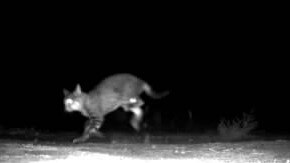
(238, 128)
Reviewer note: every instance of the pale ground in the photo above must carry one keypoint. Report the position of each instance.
(128, 148)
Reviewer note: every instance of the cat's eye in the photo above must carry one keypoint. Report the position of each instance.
(75, 105)
(133, 100)
(68, 101)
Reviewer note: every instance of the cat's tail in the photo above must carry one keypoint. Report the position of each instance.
(148, 90)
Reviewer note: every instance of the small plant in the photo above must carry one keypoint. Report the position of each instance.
(23, 132)
(238, 128)
(147, 139)
(1, 130)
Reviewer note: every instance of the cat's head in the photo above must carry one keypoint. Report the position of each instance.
(74, 101)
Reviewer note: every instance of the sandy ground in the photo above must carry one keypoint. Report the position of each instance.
(143, 149)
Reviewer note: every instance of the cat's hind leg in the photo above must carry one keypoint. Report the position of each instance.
(134, 106)
(137, 118)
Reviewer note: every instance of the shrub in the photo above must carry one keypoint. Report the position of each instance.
(238, 128)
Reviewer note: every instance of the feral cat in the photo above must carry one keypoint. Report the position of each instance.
(120, 90)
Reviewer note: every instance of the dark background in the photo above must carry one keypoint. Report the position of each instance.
(216, 66)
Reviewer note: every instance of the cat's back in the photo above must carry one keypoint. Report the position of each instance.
(119, 83)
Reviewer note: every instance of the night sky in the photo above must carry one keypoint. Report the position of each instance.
(212, 72)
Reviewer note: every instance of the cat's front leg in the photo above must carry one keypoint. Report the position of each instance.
(91, 129)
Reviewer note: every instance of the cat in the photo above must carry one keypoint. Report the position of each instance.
(119, 90)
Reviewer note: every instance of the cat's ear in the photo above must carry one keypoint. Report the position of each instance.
(65, 92)
(78, 89)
